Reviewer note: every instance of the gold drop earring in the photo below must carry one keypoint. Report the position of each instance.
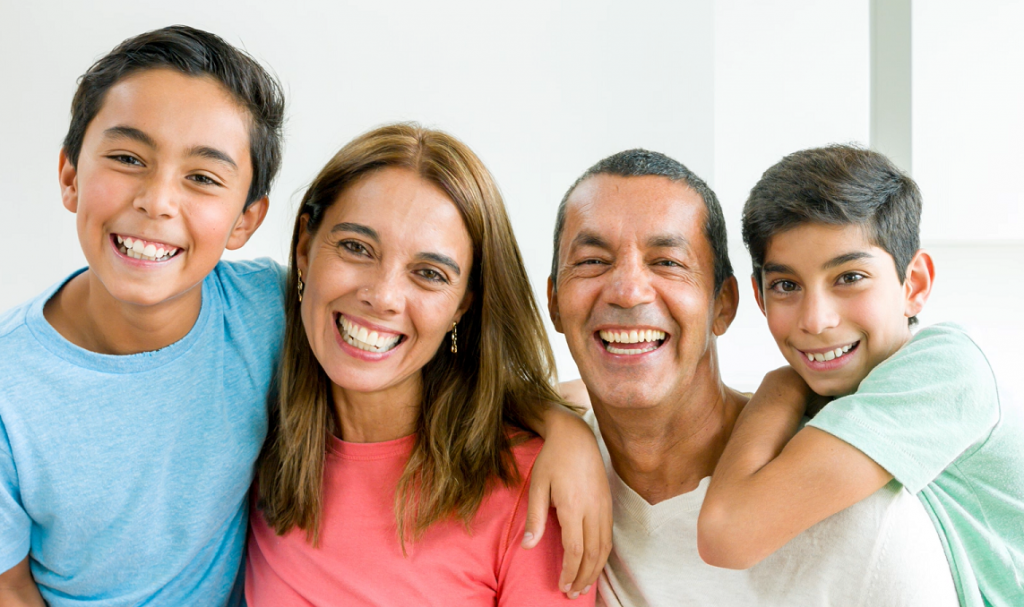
(301, 286)
(455, 343)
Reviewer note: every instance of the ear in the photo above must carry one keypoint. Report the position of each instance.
(917, 285)
(726, 304)
(302, 245)
(467, 299)
(67, 175)
(248, 221)
(758, 294)
(556, 319)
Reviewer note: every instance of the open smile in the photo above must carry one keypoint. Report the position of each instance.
(143, 250)
(824, 359)
(375, 340)
(631, 342)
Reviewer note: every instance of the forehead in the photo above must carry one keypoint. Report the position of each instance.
(624, 210)
(809, 242)
(404, 209)
(176, 111)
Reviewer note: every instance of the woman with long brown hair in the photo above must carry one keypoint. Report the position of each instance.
(414, 365)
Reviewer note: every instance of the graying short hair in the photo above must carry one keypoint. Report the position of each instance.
(642, 163)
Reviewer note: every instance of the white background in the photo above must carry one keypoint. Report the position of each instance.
(542, 90)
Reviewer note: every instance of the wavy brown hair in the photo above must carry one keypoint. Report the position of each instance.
(500, 379)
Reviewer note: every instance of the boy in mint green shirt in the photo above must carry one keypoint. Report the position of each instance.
(833, 234)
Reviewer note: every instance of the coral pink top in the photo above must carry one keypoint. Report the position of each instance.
(360, 562)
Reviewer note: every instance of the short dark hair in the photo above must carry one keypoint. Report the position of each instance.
(643, 163)
(837, 185)
(195, 53)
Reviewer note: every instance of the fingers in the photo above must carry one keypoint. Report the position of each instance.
(597, 543)
(537, 507)
(573, 551)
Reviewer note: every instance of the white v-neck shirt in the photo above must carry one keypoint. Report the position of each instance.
(881, 551)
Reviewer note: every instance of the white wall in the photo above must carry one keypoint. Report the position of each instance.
(968, 125)
(542, 90)
(789, 75)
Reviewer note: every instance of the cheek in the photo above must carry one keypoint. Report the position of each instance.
(781, 319)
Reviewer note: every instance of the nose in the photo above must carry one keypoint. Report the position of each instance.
(631, 283)
(158, 197)
(818, 313)
(382, 292)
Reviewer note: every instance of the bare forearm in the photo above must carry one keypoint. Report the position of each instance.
(735, 501)
(773, 482)
(18, 588)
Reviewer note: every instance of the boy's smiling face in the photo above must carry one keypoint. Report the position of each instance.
(164, 166)
(835, 304)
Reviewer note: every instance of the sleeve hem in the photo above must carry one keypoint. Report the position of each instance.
(10, 558)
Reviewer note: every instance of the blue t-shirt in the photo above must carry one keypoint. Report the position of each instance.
(126, 477)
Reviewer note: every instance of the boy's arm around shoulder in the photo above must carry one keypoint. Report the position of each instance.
(774, 481)
(18, 588)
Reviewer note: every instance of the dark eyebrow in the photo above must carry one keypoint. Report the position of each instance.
(845, 258)
(589, 239)
(776, 268)
(204, 151)
(128, 132)
(444, 260)
(668, 241)
(358, 228)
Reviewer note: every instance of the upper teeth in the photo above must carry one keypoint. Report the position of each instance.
(632, 337)
(830, 355)
(137, 248)
(365, 339)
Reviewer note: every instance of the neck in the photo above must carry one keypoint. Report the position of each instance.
(375, 417)
(665, 450)
(87, 315)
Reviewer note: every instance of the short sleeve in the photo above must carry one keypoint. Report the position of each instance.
(920, 410)
(15, 524)
(530, 577)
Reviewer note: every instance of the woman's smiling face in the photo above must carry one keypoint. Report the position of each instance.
(386, 275)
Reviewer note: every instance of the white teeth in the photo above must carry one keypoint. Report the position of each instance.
(136, 249)
(615, 350)
(829, 355)
(361, 338)
(632, 337)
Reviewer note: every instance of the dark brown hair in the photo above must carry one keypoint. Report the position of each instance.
(837, 185)
(197, 53)
(501, 377)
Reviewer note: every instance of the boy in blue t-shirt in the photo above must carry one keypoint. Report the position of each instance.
(133, 395)
(833, 234)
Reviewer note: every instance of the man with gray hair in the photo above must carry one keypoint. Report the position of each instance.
(641, 287)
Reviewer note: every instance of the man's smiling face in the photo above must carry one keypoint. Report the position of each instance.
(635, 293)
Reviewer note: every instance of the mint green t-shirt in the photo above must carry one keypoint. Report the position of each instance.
(931, 416)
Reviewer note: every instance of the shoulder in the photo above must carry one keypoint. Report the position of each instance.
(12, 320)
(252, 274)
(941, 356)
(525, 454)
